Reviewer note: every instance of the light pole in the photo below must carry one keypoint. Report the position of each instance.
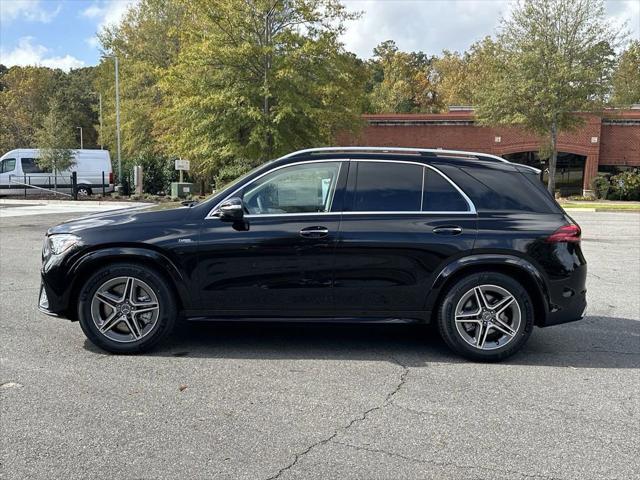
(81, 144)
(100, 103)
(118, 125)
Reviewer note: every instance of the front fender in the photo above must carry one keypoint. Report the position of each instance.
(524, 269)
(96, 258)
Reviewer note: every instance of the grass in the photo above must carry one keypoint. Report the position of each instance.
(604, 206)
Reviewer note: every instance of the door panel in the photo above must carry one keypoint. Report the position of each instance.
(268, 267)
(386, 262)
(279, 260)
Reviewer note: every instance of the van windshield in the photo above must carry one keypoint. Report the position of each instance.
(7, 165)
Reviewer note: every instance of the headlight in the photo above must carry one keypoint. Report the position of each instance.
(61, 242)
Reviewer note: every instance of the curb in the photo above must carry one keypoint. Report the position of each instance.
(10, 201)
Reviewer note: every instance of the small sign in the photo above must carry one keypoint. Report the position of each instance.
(594, 139)
(498, 139)
(182, 165)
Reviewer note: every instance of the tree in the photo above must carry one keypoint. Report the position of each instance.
(146, 42)
(258, 78)
(402, 82)
(55, 139)
(23, 104)
(626, 78)
(552, 58)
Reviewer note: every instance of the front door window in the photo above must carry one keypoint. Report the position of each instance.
(307, 188)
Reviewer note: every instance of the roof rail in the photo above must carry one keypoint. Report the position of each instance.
(402, 150)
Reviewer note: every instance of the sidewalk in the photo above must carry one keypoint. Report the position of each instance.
(21, 208)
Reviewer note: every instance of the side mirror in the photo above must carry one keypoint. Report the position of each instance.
(232, 209)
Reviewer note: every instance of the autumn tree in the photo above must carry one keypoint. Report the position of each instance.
(401, 82)
(459, 76)
(626, 78)
(553, 58)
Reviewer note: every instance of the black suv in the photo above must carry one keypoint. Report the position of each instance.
(466, 240)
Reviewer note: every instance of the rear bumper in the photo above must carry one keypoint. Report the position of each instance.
(568, 298)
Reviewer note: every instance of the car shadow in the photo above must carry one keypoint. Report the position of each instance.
(594, 342)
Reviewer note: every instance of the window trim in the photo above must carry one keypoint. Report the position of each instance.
(472, 208)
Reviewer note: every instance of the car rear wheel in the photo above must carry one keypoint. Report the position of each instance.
(486, 316)
(126, 308)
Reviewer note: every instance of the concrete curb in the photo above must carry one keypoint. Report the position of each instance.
(10, 201)
(579, 209)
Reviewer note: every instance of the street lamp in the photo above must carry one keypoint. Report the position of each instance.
(119, 186)
(81, 144)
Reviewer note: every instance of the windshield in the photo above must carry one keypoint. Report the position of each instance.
(233, 183)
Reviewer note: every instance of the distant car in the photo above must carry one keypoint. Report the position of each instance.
(19, 169)
(466, 240)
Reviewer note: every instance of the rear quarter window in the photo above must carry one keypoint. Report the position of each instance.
(499, 189)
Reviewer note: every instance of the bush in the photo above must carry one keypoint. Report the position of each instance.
(601, 185)
(626, 185)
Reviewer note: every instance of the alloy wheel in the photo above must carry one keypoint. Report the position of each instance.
(488, 317)
(125, 309)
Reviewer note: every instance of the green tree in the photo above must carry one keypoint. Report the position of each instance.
(146, 43)
(258, 78)
(626, 78)
(55, 139)
(553, 58)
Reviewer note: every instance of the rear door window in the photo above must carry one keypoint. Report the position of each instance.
(440, 195)
(388, 187)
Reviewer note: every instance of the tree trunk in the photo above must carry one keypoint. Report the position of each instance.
(55, 178)
(551, 184)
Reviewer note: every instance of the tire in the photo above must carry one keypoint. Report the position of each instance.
(119, 299)
(477, 320)
(83, 191)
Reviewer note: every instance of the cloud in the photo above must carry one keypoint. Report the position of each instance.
(29, 10)
(434, 25)
(108, 12)
(26, 53)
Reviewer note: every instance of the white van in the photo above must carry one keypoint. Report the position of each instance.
(19, 172)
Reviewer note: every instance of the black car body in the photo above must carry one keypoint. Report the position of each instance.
(343, 234)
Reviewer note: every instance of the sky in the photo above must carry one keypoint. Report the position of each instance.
(62, 33)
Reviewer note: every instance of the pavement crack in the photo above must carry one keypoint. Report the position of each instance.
(360, 418)
(439, 463)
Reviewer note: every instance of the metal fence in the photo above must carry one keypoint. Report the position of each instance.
(93, 182)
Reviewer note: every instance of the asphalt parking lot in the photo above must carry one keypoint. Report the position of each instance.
(306, 401)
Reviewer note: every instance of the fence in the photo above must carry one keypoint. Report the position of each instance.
(89, 183)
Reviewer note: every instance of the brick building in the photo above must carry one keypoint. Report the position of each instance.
(606, 144)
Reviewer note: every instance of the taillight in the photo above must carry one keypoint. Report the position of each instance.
(110, 177)
(568, 233)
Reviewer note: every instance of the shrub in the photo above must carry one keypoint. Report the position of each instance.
(601, 185)
(626, 185)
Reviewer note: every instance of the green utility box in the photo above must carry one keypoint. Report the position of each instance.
(181, 189)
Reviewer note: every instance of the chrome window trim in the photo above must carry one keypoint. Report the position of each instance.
(472, 208)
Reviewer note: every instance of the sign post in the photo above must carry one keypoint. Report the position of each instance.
(182, 165)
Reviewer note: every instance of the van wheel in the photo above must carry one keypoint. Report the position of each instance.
(126, 308)
(486, 317)
(83, 191)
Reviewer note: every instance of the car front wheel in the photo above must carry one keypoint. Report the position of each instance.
(126, 308)
(486, 316)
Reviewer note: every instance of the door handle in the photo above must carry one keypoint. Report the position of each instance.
(448, 230)
(314, 232)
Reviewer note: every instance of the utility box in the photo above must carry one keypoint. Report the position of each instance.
(181, 189)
